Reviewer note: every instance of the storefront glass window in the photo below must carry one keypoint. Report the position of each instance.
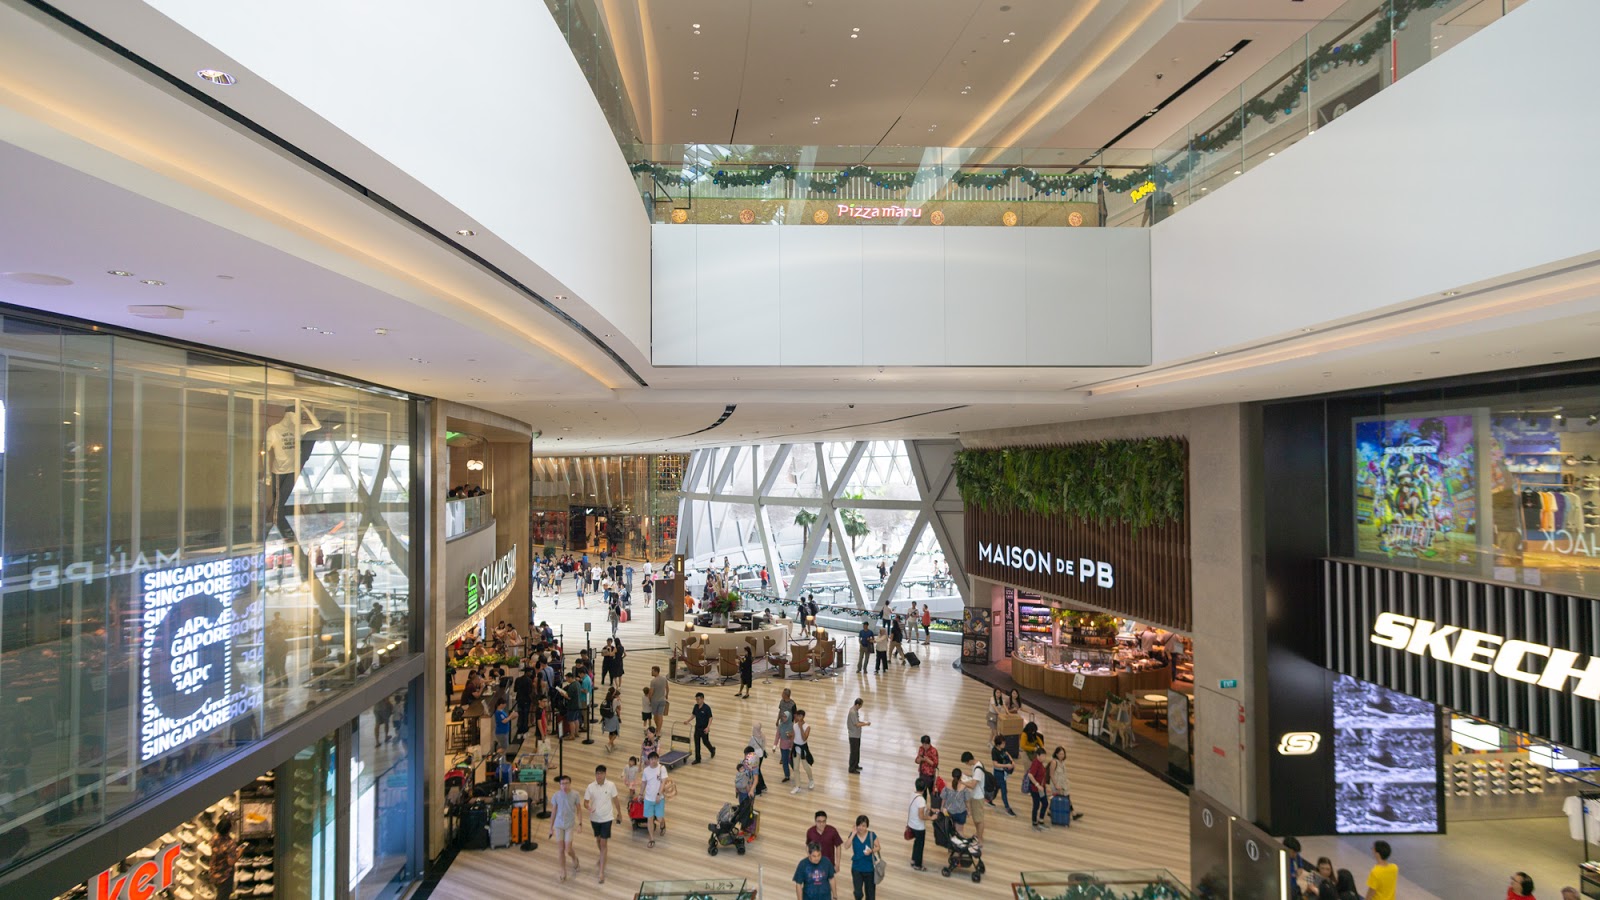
(383, 785)
(1502, 485)
(626, 505)
(196, 548)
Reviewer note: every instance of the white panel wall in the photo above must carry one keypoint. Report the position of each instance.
(903, 297)
(845, 295)
(820, 320)
(1473, 167)
(482, 103)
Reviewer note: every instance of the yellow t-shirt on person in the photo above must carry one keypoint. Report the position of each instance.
(1383, 879)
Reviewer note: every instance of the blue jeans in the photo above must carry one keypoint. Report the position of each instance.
(1000, 792)
(783, 756)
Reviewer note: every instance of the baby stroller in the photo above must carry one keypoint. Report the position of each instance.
(964, 852)
(734, 827)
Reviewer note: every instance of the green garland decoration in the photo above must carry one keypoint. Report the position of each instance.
(1288, 98)
(1139, 483)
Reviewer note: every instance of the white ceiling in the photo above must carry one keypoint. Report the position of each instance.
(103, 169)
(955, 73)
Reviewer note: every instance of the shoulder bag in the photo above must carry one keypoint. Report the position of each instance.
(879, 867)
(669, 789)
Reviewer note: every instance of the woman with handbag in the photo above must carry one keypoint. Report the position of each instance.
(917, 819)
(802, 752)
(866, 860)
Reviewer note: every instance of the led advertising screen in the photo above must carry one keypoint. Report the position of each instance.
(201, 658)
(1385, 759)
(1416, 488)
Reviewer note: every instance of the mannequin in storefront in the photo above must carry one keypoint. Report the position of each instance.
(283, 461)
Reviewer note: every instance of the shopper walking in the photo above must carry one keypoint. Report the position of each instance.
(581, 592)
(786, 743)
(865, 657)
(953, 800)
(653, 783)
(1034, 783)
(897, 636)
(927, 624)
(825, 836)
(611, 717)
(1521, 887)
(224, 858)
(1061, 787)
(1385, 875)
(977, 805)
(881, 644)
(813, 878)
(917, 819)
(747, 667)
(613, 614)
(853, 724)
(802, 752)
(700, 715)
(1003, 765)
(600, 802)
(658, 692)
(927, 759)
(564, 824)
(865, 849)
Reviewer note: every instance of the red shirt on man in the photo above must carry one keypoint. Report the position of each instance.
(829, 840)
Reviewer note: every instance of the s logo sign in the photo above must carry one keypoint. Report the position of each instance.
(1299, 743)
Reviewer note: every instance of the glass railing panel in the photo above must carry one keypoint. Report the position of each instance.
(465, 515)
(1101, 884)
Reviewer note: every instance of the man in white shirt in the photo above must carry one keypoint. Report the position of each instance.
(600, 801)
(654, 779)
(978, 806)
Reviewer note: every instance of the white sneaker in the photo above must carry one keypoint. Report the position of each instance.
(796, 789)
(811, 786)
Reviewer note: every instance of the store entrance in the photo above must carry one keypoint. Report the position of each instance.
(1125, 683)
(591, 529)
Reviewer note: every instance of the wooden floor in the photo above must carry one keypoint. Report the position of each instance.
(1132, 819)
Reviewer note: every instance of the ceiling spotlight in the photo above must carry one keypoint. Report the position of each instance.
(697, 31)
(216, 77)
(1593, 418)
(1273, 153)
(119, 273)
(1005, 40)
(855, 29)
(152, 282)
(1558, 417)
(1451, 293)
(696, 25)
(1238, 171)
(309, 328)
(696, 72)
(380, 331)
(855, 36)
(465, 232)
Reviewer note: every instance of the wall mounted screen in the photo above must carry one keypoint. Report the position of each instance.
(1386, 759)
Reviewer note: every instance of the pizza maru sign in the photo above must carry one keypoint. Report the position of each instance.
(847, 211)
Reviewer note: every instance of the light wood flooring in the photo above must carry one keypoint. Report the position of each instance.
(1132, 820)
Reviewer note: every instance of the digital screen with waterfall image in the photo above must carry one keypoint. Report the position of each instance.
(1385, 760)
(1416, 488)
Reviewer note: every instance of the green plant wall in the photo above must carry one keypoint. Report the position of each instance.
(1139, 482)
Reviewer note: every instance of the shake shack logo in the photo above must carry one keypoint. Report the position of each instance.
(1043, 562)
(487, 583)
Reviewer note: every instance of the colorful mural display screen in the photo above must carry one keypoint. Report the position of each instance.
(1416, 488)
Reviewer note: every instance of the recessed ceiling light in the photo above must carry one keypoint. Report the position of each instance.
(697, 31)
(696, 72)
(216, 77)
(152, 282)
(119, 273)
(309, 328)
(465, 232)
(855, 36)
(1238, 171)
(855, 29)
(1451, 293)
(1006, 41)
(1273, 153)
(696, 25)
(380, 331)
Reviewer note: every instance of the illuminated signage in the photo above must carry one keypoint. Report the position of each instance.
(44, 578)
(487, 583)
(1299, 743)
(142, 882)
(1142, 191)
(201, 661)
(878, 212)
(1485, 652)
(1042, 562)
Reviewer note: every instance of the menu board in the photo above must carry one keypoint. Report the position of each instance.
(976, 630)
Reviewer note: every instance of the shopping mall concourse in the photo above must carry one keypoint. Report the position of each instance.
(688, 450)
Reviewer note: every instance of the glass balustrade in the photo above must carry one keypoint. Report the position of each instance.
(1339, 63)
(466, 515)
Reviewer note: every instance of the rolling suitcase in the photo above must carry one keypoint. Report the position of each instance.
(1061, 810)
(500, 831)
(521, 832)
(912, 660)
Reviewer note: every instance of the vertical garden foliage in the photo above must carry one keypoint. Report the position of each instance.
(1138, 483)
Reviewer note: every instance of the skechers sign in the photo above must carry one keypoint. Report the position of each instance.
(1043, 562)
(201, 657)
(487, 583)
(1524, 661)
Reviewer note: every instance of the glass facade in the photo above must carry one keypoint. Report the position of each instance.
(1498, 481)
(293, 827)
(625, 504)
(196, 547)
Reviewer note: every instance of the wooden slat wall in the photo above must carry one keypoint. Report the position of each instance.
(1154, 581)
